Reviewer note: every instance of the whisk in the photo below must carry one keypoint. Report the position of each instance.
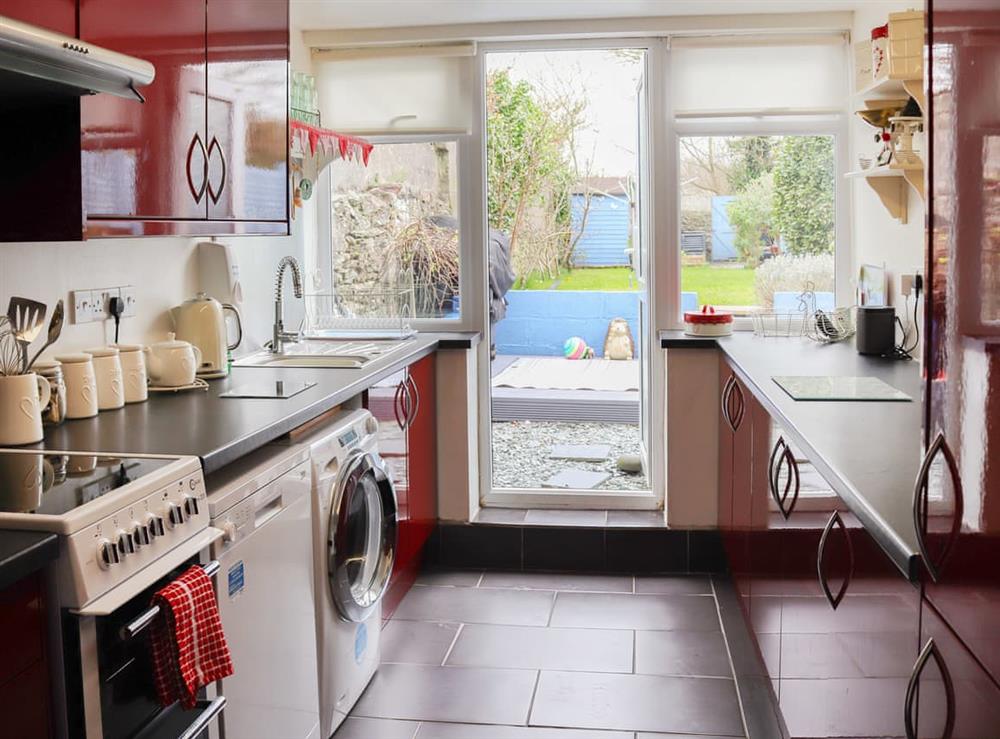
(10, 351)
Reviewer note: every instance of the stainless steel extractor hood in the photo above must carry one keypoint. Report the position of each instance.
(31, 56)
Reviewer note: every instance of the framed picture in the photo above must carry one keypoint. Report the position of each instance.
(872, 285)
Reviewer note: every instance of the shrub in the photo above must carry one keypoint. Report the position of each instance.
(790, 272)
(804, 194)
(751, 215)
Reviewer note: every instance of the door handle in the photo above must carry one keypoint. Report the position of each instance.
(930, 651)
(397, 407)
(415, 399)
(213, 146)
(727, 389)
(197, 192)
(921, 505)
(834, 600)
(782, 455)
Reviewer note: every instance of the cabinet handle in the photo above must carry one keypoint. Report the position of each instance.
(921, 505)
(740, 407)
(397, 407)
(929, 651)
(415, 398)
(726, 389)
(212, 193)
(834, 600)
(782, 455)
(197, 192)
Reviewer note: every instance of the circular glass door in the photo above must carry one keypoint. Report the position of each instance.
(362, 537)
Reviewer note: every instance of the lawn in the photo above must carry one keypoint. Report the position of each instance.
(714, 285)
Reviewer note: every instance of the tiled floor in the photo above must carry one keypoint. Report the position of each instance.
(494, 655)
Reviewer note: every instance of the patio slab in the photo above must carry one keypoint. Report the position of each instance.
(581, 452)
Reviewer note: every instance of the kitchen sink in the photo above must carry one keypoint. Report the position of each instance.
(336, 353)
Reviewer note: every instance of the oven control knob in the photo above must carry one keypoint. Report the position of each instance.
(154, 525)
(140, 535)
(229, 531)
(107, 553)
(190, 505)
(175, 515)
(126, 544)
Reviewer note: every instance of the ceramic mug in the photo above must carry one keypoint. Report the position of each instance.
(22, 398)
(110, 383)
(81, 385)
(134, 370)
(24, 478)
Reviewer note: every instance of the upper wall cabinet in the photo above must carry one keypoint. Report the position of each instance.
(207, 152)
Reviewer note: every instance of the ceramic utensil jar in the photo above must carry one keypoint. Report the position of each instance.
(22, 398)
(172, 363)
(110, 385)
(55, 412)
(134, 371)
(81, 385)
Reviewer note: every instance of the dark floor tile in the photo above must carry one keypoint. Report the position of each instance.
(705, 552)
(642, 612)
(375, 728)
(526, 647)
(637, 703)
(636, 519)
(476, 605)
(570, 581)
(429, 730)
(647, 735)
(449, 578)
(481, 546)
(580, 550)
(556, 517)
(417, 642)
(644, 550)
(469, 694)
(691, 653)
(501, 515)
(673, 584)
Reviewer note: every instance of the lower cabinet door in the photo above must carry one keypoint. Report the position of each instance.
(952, 696)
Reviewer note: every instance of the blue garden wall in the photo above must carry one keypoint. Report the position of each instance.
(539, 321)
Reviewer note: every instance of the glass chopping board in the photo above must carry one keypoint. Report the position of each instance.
(839, 387)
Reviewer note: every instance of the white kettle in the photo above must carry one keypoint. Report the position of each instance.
(202, 322)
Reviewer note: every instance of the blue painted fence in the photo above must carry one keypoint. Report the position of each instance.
(723, 235)
(538, 322)
(605, 237)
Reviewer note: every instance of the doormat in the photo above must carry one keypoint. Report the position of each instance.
(556, 373)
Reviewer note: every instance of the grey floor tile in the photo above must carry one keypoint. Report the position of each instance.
(501, 515)
(566, 518)
(417, 642)
(469, 694)
(375, 728)
(558, 581)
(637, 703)
(690, 653)
(430, 730)
(477, 605)
(673, 584)
(647, 735)
(646, 612)
(636, 519)
(529, 647)
(449, 578)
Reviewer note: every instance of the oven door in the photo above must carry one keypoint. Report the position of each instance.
(110, 693)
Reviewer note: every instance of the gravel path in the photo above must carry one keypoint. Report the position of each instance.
(521, 452)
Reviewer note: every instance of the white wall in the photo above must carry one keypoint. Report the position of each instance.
(877, 236)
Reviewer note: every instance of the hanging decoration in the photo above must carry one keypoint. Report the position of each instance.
(312, 148)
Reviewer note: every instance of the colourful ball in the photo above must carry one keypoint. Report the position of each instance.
(575, 348)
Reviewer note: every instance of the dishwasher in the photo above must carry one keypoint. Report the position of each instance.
(263, 505)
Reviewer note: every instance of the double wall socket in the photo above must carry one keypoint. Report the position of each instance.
(93, 305)
(911, 282)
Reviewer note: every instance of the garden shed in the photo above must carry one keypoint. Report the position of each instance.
(605, 238)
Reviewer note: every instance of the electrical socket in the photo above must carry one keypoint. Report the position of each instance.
(93, 305)
(130, 295)
(84, 306)
(907, 283)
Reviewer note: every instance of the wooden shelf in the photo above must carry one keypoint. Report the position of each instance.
(892, 184)
(886, 88)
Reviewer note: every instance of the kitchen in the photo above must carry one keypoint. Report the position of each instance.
(203, 394)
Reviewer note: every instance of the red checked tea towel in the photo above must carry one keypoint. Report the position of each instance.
(188, 647)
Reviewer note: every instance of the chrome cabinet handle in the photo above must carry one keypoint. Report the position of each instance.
(212, 193)
(727, 389)
(834, 600)
(921, 505)
(929, 651)
(197, 192)
(144, 619)
(782, 455)
(397, 407)
(740, 407)
(415, 399)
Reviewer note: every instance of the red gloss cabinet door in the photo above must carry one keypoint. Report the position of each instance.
(24, 674)
(53, 15)
(960, 504)
(147, 161)
(422, 445)
(247, 141)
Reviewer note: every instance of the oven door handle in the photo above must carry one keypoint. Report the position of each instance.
(122, 594)
(204, 718)
(144, 619)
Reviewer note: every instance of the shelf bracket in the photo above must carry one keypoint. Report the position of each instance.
(892, 191)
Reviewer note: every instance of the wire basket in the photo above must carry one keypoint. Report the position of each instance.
(830, 326)
(778, 324)
(825, 326)
(370, 312)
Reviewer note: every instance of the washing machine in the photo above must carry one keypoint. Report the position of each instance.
(354, 542)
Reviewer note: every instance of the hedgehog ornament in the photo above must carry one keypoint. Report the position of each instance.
(619, 343)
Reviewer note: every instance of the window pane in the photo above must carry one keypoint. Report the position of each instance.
(394, 232)
(757, 222)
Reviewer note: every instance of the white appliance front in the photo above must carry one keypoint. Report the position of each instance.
(265, 593)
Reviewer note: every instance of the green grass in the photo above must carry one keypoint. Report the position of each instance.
(714, 285)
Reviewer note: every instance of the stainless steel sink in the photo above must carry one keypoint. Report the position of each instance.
(336, 353)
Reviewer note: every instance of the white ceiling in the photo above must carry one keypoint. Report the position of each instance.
(347, 14)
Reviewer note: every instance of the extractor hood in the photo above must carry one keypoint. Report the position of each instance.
(31, 56)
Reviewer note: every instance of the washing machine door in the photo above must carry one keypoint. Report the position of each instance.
(362, 539)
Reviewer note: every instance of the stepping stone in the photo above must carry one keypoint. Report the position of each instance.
(573, 479)
(581, 452)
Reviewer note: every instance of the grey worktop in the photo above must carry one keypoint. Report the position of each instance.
(221, 430)
(869, 452)
(24, 552)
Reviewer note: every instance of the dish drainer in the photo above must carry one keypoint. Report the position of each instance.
(360, 313)
(824, 326)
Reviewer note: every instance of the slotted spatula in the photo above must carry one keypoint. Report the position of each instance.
(55, 329)
(26, 320)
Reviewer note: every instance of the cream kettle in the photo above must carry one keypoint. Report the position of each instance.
(201, 321)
